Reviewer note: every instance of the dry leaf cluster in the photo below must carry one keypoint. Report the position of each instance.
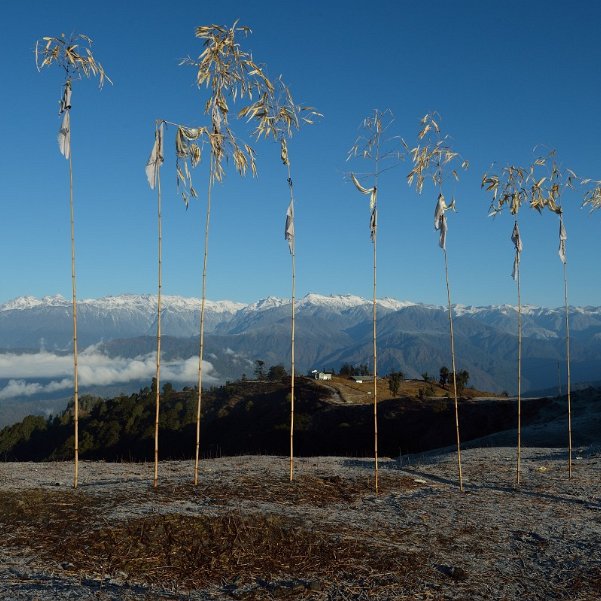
(540, 185)
(433, 155)
(278, 116)
(73, 54)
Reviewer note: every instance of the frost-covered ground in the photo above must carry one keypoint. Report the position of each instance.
(248, 533)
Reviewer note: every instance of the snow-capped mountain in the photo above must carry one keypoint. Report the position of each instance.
(29, 322)
(330, 330)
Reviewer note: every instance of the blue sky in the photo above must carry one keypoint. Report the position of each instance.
(504, 76)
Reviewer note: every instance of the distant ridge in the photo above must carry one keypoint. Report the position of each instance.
(331, 330)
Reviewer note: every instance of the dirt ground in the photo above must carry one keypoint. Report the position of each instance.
(246, 532)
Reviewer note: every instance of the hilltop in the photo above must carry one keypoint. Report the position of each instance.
(252, 417)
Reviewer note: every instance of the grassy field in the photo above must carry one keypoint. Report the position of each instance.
(360, 393)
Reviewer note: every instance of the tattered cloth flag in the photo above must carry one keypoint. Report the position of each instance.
(289, 228)
(517, 241)
(563, 236)
(440, 219)
(156, 158)
(284, 151)
(64, 103)
(373, 195)
(64, 133)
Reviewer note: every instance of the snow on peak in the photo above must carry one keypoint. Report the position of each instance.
(271, 302)
(349, 301)
(333, 301)
(394, 304)
(124, 301)
(503, 309)
(23, 303)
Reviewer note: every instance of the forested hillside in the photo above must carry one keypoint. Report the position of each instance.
(252, 417)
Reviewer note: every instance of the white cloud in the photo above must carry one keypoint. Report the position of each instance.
(18, 388)
(95, 369)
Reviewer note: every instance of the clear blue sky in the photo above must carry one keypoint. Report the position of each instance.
(505, 76)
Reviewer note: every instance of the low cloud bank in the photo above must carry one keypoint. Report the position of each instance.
(95, 369)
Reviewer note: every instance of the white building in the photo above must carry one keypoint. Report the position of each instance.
(321, 375)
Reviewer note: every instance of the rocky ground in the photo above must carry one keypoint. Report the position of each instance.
(246, 532)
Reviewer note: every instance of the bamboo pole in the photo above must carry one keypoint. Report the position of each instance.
(568, 375)
(67, 53)
(375, 346)
(375, 351)
(292, 329)
(292, 371)
(519, 449)
(370, 148)
(202, 323)
(75, 356)
(158, 358)
(446, 269)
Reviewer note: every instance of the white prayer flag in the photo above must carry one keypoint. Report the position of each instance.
(156, 158)
(64, 135)
(440, 219)
(517, 241)
(373, 195)
(563, 236)
(443, 232)
(65, 102)
(373, 224)
(284, 151)
(289, 227)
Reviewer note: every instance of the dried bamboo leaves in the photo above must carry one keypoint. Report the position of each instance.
(73, 54)
(278, 116)
(228, 71)
(431, 158)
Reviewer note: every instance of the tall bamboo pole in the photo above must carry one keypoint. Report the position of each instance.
(75, 355)
(292, 370)
(228, 72)
(202, 322)
(375, 352)
(568, 375)
(446, 270)
(374, 321)
(369, 147)
(69, 54)
(279, 116)
(158, 358)
(519, 449)
(292, 243)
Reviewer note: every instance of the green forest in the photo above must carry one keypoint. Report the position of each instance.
(252, 417)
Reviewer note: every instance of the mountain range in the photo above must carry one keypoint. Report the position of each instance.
(330, 331)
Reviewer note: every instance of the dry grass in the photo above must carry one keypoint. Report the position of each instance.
(313, 491)
(247, 533)
(352, 392)
(189, 552)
